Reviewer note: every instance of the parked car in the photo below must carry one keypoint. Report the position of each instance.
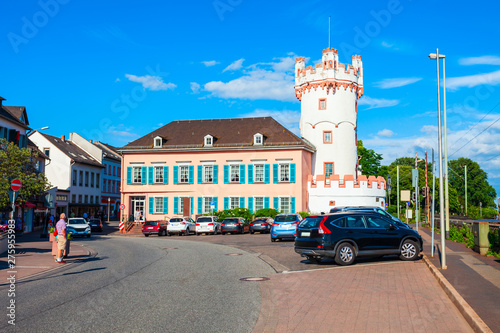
(345, 236)
(207, 225)
(379, 210)
(261, 224)
(285, 226)
(80, 227)
(181, 226)
(234, 225)
(95, 225)
(154, 228)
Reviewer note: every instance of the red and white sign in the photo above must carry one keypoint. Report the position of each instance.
(121, 225)
(15, 185)
(122, 206)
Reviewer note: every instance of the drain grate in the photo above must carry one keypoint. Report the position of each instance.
(254, 279)
(233, 254)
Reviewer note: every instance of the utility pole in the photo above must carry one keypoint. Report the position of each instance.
(426, 191)
(433, 201)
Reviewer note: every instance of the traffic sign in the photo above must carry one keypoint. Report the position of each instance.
(122, 206)
(15, 185)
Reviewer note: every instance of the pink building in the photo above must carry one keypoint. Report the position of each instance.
(219, 164)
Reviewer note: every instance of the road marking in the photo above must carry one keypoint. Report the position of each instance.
(33, 267)
(486, 271)
(351, 266)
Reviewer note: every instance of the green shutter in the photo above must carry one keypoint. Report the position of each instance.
(276, 203)
(275, 173)
(165, 205)
(129, 175)
(266, 202)
(292, 205)
(165, 175)
(150, 175)
(200, 174)
(250, 204)
(216, 203)
(191, 202)
(200, 205)
(176, 174)
(226, 203)
(144, 175)
(191, 174)
(242, 202)
(216, 174)
(226, 174)
(176, 205)
(267, 171)
(151, 205)
(242, 173)
(292, 173)
(250, 174)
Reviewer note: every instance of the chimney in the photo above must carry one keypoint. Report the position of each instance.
(63, 137)
(91, 141)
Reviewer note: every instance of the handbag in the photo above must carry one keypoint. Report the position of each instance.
(55, 232)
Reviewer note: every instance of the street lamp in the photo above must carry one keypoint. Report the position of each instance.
(437, 56)
(109, 201)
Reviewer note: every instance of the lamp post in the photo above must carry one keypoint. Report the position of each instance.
(465, 190)
(436, 56)
(109, 201)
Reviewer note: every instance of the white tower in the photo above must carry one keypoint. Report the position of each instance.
(328, 95)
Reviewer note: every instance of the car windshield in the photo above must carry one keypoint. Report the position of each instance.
(259, 221)
(176, 219)
(334, 210)
(95, 221)
(153, 224)
(204, 219)
(77, 221)
(285, 218)
(231, 220)
(310, 222)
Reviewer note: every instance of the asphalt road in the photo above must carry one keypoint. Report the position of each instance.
(144, 284)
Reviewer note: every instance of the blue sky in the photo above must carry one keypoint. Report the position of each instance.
(116, 70)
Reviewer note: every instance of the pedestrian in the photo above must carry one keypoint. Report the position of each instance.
(137, 215)
(72, 214)
(85, 216)
(61, 238)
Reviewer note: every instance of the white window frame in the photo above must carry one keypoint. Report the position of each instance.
(282, 204)
(158, 174)
(233, 200)
(325, 133)
(136, 175)
(157, 142)
(284, 172)
(208, 173)
(184, 169)
(158, 205)
(258, 139)
(255, 203)
(208, 141)
(206, 205)
(234, 169)
(256, 179)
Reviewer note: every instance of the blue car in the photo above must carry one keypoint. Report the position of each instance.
(285, 226)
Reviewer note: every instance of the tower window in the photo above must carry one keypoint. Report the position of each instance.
(322, 103)
(328, 169)
(327, 137)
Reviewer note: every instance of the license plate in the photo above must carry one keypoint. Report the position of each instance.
(150, 227)
(256, 225)
(306, 234)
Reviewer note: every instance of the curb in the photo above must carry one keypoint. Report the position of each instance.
(476, 323)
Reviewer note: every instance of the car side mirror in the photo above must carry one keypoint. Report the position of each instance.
(392, 227)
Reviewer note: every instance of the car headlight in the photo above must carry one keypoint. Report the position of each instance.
(88, 228)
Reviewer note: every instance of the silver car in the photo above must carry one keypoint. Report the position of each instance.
(207, 225)
(181, 226)
(78, 227)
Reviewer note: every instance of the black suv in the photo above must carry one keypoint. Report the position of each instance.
(379, 210)
(347, 235)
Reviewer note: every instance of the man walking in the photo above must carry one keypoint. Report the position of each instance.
(61, 238)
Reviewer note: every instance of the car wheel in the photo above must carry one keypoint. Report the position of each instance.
(223, 233)
(345, 254)
(88, 236)
(187, 232)
(197, 234)
(313, 259)
(273, 239)
(146, 235)
(164, 233)
(252, 232)
(409, 250)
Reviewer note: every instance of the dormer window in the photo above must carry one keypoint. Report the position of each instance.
(258, 139)
(209, 141)
(158, 142)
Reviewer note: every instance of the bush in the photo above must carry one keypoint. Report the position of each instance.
(475, 212)
(236, 212)
(462, 235)
(304, 214)
(266, 212)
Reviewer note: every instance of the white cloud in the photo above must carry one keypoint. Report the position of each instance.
(235, 65)
(429, 129)
(375, 103)
(385, 133)
(288, 118)
(122, 133)
(470, 81)
(398, 82)
(195, 87)
(210, 63)
(483, 60)
(151, 82)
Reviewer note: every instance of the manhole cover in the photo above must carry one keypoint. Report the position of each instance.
(254, 279)
(233, 254)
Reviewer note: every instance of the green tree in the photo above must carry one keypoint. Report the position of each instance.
(19, 163)
(478, 188)
(369, 161)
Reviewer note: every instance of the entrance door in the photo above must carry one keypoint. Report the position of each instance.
(139, 203)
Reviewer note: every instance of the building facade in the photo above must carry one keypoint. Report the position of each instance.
(111, 179)
(218, 164)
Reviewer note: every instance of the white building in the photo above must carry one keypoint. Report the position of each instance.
(329, 94)
(74, 169)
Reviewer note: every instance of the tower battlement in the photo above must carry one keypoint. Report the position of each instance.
(329, 73)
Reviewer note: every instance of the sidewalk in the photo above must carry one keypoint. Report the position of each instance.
(33, 256)
(476, 278)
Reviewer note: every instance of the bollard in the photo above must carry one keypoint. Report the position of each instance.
(481, 242)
